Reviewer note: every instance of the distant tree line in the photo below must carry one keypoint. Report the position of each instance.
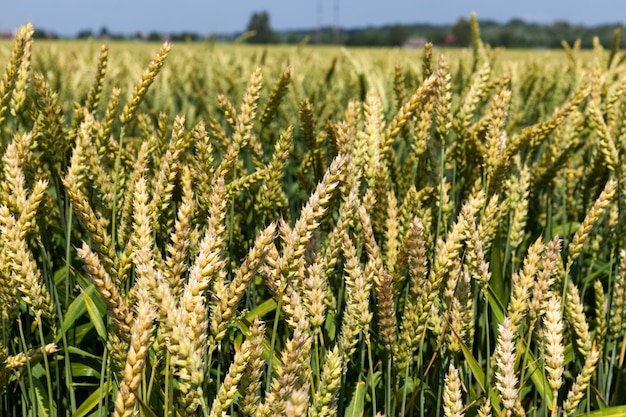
(153, 36)
(514, 34)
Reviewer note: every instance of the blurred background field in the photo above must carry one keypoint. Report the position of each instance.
(198, 71)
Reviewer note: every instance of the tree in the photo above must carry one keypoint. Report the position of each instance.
(397, 35)
(40, 34)
(260, 24)
(462, 31)
(154, 37)
(104, 33)
(85, 34)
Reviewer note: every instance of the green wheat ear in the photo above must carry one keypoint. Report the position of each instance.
(478, 49)
(427, 61)
(93, 96)
(276, 96)
(147, 78)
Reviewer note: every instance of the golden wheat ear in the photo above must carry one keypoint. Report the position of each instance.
(137, 356)
(14, 79)
(452, 397)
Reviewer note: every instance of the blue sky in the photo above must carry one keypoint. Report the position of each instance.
(67, 17)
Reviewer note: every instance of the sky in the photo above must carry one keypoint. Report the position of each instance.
(67, 17)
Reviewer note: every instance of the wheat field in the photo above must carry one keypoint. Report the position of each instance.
(212, 230)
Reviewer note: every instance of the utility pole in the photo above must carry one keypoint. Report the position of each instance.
(318, 34)
(337, 34)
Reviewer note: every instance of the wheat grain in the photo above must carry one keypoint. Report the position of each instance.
(411, 327)
(553, 339)
(383, 283)
(110, 293)
(581, 235)
(575, 395)
(506, 378)
(452, 400)
(227, 300)
(147, 78)
(249, 351)
(522, 283)
(293, 373)
(577, 320)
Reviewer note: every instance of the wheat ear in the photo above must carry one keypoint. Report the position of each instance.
(137, 356)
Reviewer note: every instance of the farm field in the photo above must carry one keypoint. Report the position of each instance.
(206, 229)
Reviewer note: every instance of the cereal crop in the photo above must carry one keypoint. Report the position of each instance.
(227, 230)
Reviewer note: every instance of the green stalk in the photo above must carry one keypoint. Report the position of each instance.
(31, 385)
(68, 248)
(612, 362)
(45, 361)
(525, 361)
(622, 353)
(544, 404)
(268, 378)
(103, 373)
(388, 387)
(404, 390)
(508, 252)
(488, 343)
(440, 394)
(49, 284)
(66, 357)
(150, 384)
(371, 372)
(421, 364)
(169, 392)
(205, 408)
